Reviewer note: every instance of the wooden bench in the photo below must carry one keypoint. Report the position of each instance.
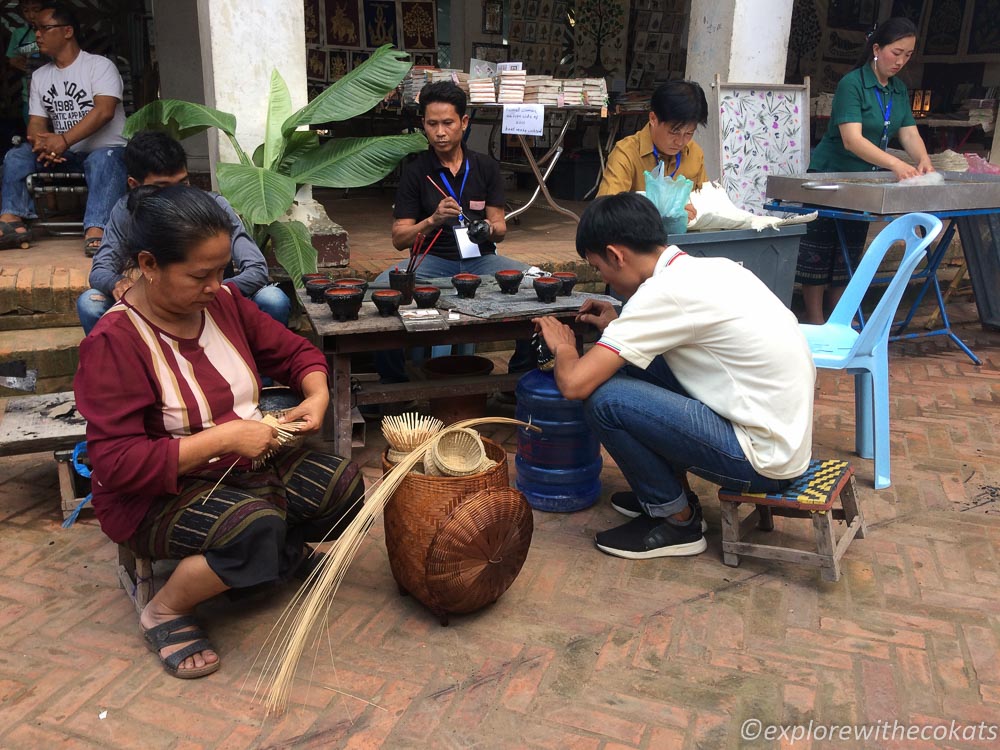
(32, 424)
(810, 496)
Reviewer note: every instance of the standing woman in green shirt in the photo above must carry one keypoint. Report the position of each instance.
(870, 107)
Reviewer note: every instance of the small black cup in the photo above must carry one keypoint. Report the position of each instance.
(466, 284)
(568, 279)
(359, 283)
(426, 296)
(547, 288)
(403, 281)
(316, 287)
(386, 301)
(344, 302)
(509, 280)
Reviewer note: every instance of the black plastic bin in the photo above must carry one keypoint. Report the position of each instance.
(771, 254)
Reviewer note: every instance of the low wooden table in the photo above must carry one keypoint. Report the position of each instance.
(371, 333)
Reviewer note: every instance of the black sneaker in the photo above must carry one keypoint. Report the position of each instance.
(627, 504)
(644, 537)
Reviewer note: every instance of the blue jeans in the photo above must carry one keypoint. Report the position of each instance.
(103, 168)
(92, 304)
(655, 432)
(391, 364)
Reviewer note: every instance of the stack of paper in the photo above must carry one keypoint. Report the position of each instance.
(572, 90)
(595, 92)
(482, 91)
(511, 86)
(541, 90)
(458, 77)
(413, 81)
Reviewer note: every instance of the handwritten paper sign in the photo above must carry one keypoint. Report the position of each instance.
(523, 119)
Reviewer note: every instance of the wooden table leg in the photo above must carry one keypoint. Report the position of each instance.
(337, 426)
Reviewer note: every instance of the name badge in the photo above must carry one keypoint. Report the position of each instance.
(466, 247)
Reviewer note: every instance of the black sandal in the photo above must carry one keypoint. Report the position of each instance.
(10, 237)
(167, 634)
(91, 245)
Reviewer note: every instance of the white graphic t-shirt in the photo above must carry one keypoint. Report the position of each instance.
(66, 95)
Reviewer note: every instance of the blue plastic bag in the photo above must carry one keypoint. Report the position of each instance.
(670, 196)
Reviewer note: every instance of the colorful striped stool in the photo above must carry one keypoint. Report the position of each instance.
(810, 496)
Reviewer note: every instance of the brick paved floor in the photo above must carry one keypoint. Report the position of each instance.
(584, 650)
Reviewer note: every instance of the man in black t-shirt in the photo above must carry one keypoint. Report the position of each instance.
(466, 188)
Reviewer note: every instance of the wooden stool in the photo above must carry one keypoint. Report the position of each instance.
(135, 574)
(810, 496)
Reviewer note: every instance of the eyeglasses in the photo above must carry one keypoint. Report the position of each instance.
(45, 27)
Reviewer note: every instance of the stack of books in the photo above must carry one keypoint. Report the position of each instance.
(511, 86)
(482, 91)
(541, 90)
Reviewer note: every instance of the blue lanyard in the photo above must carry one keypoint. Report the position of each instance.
(677, 160)
(458, 198)
(886, 109)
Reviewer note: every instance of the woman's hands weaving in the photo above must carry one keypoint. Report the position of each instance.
(310, 411)
(248, 437)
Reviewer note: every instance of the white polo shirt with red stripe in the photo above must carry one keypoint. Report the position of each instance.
(732, 345)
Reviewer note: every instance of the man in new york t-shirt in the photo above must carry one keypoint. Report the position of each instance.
(75, 122)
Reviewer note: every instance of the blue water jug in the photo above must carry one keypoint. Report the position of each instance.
(559, 468)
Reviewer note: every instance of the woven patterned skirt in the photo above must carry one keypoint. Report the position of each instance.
(820, 258)
(253, 527)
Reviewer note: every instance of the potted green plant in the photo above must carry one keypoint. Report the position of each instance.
(262, 188)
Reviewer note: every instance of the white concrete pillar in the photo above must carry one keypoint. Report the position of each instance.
(743, 41)
(175, 24)
(242, 41)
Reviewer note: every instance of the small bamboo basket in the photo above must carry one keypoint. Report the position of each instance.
(457, 543)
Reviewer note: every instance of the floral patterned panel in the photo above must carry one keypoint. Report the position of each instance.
(764, 131)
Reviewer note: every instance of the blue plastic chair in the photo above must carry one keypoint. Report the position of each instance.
(835, 345)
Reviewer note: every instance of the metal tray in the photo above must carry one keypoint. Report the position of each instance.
(880, 193)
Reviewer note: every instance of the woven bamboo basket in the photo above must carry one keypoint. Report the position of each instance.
(457, 543)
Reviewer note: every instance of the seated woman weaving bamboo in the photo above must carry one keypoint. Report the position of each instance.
(183, 466)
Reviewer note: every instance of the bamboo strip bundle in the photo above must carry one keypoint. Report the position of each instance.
(406, 431)
(300, 623)
(287, 436)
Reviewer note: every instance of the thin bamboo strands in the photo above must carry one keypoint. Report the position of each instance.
(406, 431)
(299, 623)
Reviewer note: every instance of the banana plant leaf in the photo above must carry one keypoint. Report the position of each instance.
(180, 119)
(355, 93)
(279, 107)
(299, 143)
(293, 248)
(355, 162)
(259, 195)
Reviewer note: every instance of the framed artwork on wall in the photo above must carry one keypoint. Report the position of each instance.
(495, 53)
(493, 17)
(944, 27)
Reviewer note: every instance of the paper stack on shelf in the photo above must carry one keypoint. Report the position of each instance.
(595, 92)
(482, 91)
(511, 86)
(572, 90)
(459, 77)
(413, 81)
(541, 90)
(981, 111)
